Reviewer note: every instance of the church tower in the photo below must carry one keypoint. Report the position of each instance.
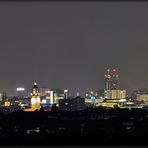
(35, 97)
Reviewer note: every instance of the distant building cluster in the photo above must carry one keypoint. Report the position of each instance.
(46, 98)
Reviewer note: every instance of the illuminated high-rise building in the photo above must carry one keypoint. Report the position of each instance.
(57, 94)
(35, 97)
(53, 96)
(111, 80)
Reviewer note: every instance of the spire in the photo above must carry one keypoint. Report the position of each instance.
(35, 90)
(35, 84)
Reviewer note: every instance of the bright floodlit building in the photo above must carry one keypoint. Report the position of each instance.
(116, 94)
(142, 97)
(35, 97)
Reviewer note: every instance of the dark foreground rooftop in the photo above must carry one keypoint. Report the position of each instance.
(92, 127)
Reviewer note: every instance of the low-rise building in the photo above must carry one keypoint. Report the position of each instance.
(142, 97)
(72, 104)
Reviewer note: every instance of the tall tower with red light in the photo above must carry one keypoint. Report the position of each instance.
(111, 79)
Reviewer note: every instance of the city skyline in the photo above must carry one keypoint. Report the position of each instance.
(71, 44)
(111, 82)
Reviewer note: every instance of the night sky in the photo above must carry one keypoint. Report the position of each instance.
(71, 44)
